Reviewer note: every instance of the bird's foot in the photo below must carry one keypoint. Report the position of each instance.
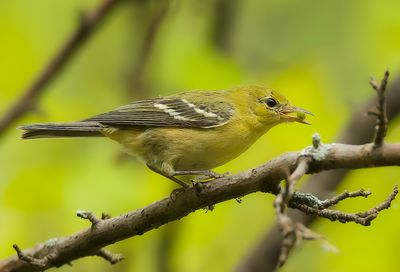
(207, 175)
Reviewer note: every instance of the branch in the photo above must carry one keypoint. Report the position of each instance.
(288, 229)
(362, 218)
(336, 199)
(292, 232)
(265, 178)
(380, 113)
(358, 130)
(88, 25)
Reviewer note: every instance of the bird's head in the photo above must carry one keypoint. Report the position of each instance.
(272, 108)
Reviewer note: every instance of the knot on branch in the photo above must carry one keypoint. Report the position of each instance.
(317, 151)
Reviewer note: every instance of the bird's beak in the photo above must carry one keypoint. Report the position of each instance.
(291, 113)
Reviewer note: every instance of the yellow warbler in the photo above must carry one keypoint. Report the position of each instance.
(189, 133)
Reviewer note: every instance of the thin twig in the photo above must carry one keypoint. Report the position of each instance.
(384, 205)
(88, 24)
(292, 232)
(336, 199)
(36, 263)
(89, 216)
(289, 230)
(380, 113)
(362, 218)
(301, 170)
(109, 256)
(313, 201)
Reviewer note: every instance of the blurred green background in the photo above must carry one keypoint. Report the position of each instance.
(319, 53)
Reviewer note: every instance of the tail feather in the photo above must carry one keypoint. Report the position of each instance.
(73, 129)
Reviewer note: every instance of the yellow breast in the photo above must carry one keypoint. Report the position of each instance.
(172, 149)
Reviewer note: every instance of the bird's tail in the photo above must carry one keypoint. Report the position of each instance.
(53, 130)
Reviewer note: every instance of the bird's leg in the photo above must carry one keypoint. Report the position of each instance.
(201, 175)
(206, 173)
(174, 179)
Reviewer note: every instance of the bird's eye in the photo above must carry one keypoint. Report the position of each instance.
(271, 102)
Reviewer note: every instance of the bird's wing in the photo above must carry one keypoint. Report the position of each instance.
(168, 112)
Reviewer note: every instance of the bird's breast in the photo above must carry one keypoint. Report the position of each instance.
(188, 148)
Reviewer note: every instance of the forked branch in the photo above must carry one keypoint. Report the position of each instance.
(309, 204)
(265, 178)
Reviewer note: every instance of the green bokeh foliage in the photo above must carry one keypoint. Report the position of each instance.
(320, 54)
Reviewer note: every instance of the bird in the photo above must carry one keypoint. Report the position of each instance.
(189, 133)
